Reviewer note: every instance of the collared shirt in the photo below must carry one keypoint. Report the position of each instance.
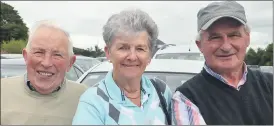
(184, 111)
(221, 78)
(106, 105)
(27, 82)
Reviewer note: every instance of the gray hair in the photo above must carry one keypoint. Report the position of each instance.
(49, 24)
(199, 36)
(130, 22)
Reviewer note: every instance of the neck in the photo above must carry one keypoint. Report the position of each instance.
(45, 92)
(128, 85)
(232, 76)
(131, 87)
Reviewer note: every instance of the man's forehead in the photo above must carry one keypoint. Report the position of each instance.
(49, 36)
(225, 21)
(49, 41)
(42, 48)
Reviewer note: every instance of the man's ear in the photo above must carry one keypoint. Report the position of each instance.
(72, 61)
(198, 43)
(25, 54)
(248, 38)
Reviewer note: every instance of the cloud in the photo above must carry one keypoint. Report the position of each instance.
(176, 20)
(85, 41)
(260, 38)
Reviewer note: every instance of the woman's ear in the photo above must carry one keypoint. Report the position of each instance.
(107, 52)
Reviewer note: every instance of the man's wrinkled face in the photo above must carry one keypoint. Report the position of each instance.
(47, 59)
(224, 44)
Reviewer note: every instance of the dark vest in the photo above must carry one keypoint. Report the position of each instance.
(221, 104)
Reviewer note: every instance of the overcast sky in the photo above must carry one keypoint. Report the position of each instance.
(176, 20)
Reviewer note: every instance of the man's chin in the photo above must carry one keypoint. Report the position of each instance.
(45, 89)
(227, 66)
(43, 85)
(45, 92)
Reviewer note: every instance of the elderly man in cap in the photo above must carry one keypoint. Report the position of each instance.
(43, 96)
(226, 91)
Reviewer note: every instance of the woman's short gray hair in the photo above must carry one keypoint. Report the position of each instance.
(199, 35)
(130, 21)
(49, 24)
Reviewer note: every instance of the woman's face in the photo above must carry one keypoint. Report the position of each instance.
(129, 55)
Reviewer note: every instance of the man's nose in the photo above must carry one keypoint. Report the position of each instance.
(47, 61)
(226, 46)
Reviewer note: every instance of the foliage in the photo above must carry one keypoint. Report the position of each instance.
(97, 51)
(13, 46)
(12, 26)
(251, 57)
(16, 46)
(268, 55)
(90, 52)
(262, 57)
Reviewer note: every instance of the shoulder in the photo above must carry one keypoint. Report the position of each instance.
(192, 88)
(181, 98)
(161, 85)
(261, 77)
(193, 83)
(12, 81)
(91, 108)
(89, 95)
(259, 73)
(94, 99)
(75, 87)
(95, 95)
(11, 87)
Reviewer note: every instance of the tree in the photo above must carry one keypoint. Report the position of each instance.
(268, 55)
(98, 51)
(260, 53)
(78, 51)
(251, 57)
(263, 57)
(89, 51)
(14, 46)
(11, 24)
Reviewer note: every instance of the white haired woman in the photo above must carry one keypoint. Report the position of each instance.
(126, 96)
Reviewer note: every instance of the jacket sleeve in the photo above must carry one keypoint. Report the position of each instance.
(184, 112)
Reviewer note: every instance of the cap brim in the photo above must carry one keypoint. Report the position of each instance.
(210, 22)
